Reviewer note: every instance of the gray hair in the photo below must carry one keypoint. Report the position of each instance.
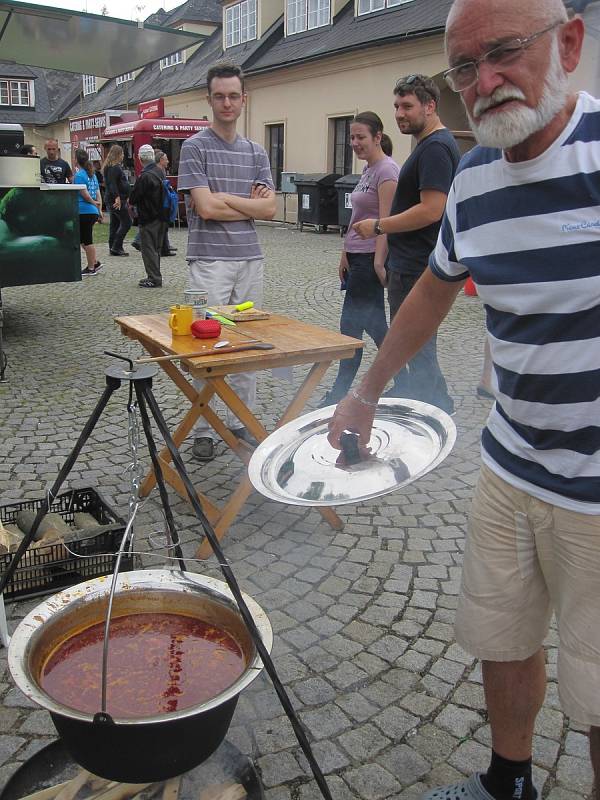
(544, 12)
(146, 156)
(158, 154)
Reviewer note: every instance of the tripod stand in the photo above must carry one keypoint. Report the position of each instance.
(140, 382)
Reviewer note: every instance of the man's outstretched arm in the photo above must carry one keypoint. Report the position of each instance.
(416, 321)
(429, 210)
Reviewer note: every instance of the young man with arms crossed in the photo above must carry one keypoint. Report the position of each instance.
(521, 219)
(229, 180)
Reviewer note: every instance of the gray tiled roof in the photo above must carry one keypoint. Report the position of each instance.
(418, 18)
(195, 11)
(247, 53)
(157, 18)
(8, 69)
(53, 91)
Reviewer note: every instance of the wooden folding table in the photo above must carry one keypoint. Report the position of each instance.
(295, 343)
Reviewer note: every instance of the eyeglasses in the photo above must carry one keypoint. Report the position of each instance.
(234, 97)
(466, 75)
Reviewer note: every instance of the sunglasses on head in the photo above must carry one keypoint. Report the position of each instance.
(412, 82)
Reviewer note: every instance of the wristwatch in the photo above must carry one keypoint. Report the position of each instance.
(377, 228)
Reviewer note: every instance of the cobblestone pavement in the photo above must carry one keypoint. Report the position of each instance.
(362, 618)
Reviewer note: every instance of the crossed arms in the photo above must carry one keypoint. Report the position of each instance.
(224, 207)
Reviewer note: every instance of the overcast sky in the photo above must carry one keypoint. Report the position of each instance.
(126, 9)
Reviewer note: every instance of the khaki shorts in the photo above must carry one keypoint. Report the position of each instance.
(525, 558)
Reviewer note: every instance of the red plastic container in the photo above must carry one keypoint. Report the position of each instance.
(469, 288)
(206, 328)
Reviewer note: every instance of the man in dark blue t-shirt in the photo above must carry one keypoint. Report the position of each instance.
(414, 222)
(54, 169)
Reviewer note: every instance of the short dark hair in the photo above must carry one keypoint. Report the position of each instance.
(27, 150)
(224, 69)
(424, 88)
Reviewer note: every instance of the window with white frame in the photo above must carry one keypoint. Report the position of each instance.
(126, 76)
(89, 84)
(170, 61)
(16, 93)
(302, 15)
(368, 6)
(240, 23)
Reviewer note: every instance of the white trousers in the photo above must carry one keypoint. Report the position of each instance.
(228, 282)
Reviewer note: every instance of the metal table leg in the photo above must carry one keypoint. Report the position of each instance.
(4, 637)
(3, 359)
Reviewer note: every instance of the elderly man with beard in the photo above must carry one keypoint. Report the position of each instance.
(522, 220)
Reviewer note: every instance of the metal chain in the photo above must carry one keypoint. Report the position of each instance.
(134, 468)
(135, 472)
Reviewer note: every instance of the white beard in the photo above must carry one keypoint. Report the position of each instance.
(506, 129)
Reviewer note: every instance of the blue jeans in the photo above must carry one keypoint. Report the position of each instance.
(421, 378)
(363, 311)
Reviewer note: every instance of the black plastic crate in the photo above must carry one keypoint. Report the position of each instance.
(51, 568)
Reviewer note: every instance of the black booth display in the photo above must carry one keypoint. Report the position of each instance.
(344, 187)
(12, 139)
(39, 223)
(317, 200)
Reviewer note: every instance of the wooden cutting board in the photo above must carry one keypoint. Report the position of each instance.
(240, 316)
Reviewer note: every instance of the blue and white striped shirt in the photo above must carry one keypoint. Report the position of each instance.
(528, 233)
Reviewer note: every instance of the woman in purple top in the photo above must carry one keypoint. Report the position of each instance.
(362, 264)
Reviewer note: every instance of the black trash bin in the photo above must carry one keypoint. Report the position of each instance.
(344, 187)
(317, 200)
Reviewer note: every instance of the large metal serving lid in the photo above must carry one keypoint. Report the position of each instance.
(297, 465)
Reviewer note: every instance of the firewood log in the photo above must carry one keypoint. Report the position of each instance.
(224, 791)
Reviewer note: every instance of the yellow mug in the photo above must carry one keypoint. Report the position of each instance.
(180, 320)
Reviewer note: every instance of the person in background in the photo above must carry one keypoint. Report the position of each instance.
(115, 199)
(414, 221)
(147, 197)
(362, 263)
(90, 210)
(229, 180)
(29, 150)
(99, 178)
(532, 249)
(54, 169)
(162, 161)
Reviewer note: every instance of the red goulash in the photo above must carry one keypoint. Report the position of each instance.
(157, 663)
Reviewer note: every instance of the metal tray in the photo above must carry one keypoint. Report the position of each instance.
(297, 465)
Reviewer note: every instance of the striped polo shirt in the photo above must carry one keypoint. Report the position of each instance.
(208, 160)
(529, 235)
